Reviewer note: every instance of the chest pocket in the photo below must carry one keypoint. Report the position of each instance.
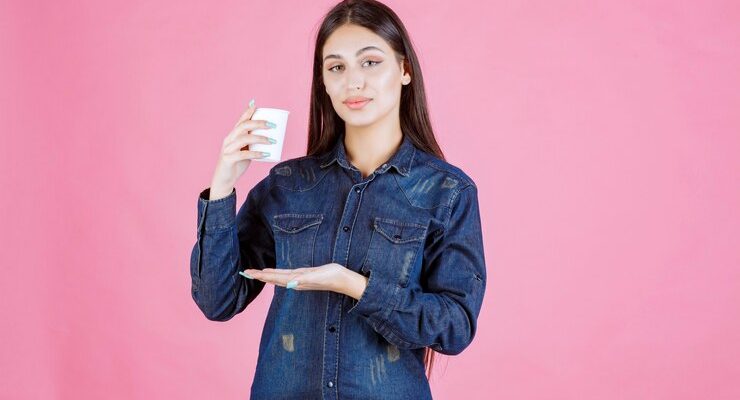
(295, 237)
(394, 246)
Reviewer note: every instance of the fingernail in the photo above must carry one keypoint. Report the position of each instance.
(273, 141)
(291, 284)
(265, 154)
(246, 275)
(270, 124)
(251, 103)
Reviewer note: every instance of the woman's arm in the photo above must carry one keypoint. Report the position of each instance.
(352, 284)
(226, 244)
(444, 315)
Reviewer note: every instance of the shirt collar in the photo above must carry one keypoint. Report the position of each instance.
(401, 159)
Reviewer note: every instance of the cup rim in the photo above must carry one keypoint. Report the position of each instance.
(272, 109)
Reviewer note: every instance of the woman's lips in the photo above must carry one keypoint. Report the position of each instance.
(358, 104)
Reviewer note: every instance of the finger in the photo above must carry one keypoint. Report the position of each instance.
(278, 280)
(247, 114)
(241, 141)
(283, 276)
(279, 270)
(245, 127)
(270, 273)
(250, 125)
(243, 155)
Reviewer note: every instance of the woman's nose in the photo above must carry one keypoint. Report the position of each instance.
(355, 80)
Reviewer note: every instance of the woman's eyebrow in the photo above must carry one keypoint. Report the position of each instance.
(356, 54)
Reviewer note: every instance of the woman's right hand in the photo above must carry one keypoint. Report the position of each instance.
(235, 158)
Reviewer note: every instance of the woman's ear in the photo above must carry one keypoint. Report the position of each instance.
(406, 78)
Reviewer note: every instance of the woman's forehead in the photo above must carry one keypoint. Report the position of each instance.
(348, 41)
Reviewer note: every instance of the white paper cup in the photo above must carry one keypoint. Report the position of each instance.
(280, 119)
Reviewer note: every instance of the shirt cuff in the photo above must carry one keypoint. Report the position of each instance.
(377, 300)
(216, 214)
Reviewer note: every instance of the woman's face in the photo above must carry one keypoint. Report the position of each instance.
(372, 73)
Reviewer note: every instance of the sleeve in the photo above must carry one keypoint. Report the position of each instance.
(444, 314)
(226, 244)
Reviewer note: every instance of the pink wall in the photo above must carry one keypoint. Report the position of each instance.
(603, 137)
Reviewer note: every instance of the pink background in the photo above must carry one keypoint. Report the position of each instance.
(603, 137)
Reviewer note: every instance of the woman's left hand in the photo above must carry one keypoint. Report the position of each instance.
(333, 277)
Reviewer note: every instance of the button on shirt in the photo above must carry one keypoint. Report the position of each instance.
(412, 227)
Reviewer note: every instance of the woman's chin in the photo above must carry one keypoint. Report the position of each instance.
(355, 121)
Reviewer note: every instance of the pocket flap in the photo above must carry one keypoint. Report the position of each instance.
(293, 223)
(400, 231)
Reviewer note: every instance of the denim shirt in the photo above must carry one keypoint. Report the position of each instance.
(412, 227)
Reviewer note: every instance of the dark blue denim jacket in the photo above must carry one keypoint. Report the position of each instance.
(412, 227)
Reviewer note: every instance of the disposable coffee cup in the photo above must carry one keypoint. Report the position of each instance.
(280, 119)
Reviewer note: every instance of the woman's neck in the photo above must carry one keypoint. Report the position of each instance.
(367, 149)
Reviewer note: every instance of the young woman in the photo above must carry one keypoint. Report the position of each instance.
(372, 241)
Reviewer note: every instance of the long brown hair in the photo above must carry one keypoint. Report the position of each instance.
(325, 125)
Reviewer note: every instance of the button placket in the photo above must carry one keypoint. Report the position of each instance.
(334, 300)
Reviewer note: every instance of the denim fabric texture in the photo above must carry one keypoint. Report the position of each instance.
(412, 227)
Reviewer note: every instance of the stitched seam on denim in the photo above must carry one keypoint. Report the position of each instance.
(392, 332)
(199, 238)
(325, 172)
(395, 178)
(397, 334)
(196, 279)
(367, 252)
(460, 178)
(233, 261)
(417, 238)
(411, 159)
(352, 228)
(313, 242)
(397, 338)
(420, 238)
(225, 198)
(393, 302)
(336, 365)
(398, 222)
(339, 227)
(217, 229)
(205, 207)
(297, 215)
(323, 352)
(409, 200)
(314, 219)
(452, 200)
(407, 279)
(259, 206)
(202, 221)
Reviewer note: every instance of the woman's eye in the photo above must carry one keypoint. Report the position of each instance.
(368, 61)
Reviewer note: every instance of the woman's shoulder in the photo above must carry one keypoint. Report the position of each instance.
(429, 164)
